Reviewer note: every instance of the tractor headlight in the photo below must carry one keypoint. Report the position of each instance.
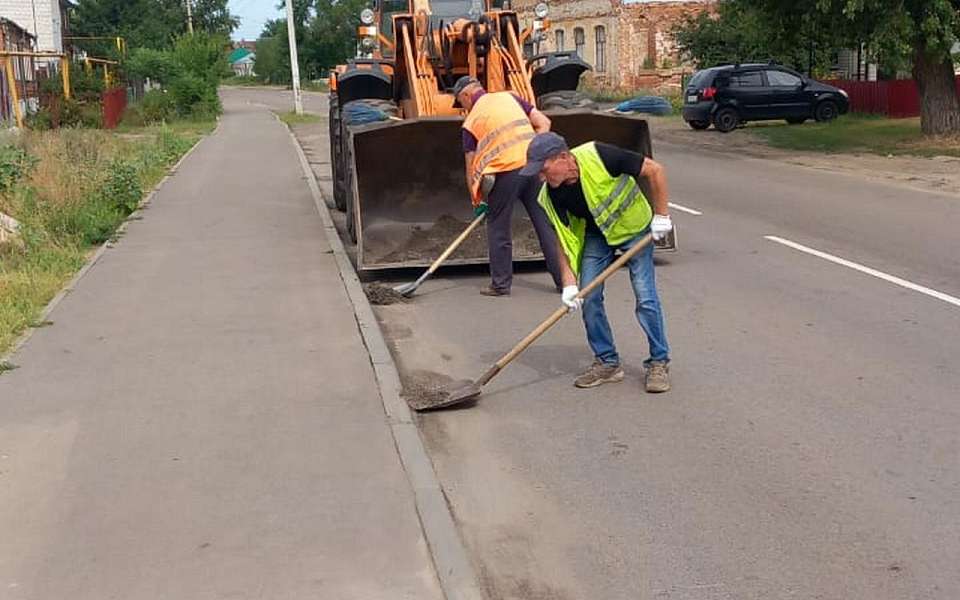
(367, 16)
(541, 10)
(368, 44)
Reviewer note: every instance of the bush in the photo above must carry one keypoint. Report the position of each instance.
(157, 106)
(194, 96)
(147, 63)
(15, 163)
(74, 113)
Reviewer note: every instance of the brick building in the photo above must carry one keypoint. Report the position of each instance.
(628, 42)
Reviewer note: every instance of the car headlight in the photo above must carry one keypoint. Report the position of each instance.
(541, 10)
(367, 16)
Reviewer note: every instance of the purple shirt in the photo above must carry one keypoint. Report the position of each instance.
(470, 140)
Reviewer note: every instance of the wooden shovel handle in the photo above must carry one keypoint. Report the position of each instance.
(456, 244)
(563, 310)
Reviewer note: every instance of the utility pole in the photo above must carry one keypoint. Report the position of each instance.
(190, 16)
(294, 60)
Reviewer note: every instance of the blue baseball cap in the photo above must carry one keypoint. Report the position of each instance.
(542, 148)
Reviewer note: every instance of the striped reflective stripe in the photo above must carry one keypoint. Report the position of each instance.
(496, 151)
(611, 220)
(493, 135)
(622, 183)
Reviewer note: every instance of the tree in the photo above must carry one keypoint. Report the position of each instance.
(922, 32)
(146, 23)
(326, 37)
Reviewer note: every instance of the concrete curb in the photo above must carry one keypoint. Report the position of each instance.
(455, 572)
(99, 252)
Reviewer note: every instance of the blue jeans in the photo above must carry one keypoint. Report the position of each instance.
(597, 256)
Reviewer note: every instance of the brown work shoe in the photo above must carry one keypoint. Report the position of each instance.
(492, 291)
(599, 374)
(658, 378)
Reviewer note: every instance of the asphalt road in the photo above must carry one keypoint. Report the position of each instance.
(809, 448)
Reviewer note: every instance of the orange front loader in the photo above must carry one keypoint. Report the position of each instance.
(395, 134)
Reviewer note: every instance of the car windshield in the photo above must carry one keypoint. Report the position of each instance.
(450, 10)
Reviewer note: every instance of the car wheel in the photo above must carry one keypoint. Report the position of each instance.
(797, 120)
(726, 120)
(826, 111)
(699, 125)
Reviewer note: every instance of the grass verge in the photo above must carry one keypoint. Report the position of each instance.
(291, 118)
(857, 133)
(70, 190)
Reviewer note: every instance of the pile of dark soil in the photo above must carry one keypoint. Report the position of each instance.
(424, 390)
(425, 245)
(380, 295)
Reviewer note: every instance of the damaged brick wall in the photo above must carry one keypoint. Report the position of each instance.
(640, 49)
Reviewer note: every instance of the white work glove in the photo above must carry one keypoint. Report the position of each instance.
(660, 226)
(569, 298)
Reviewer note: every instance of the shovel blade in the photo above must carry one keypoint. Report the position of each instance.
(453, 394)
(406, 289)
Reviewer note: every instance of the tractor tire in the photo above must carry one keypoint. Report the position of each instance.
(336, 154)
(699, 125)
(566, 100)
(347, 120)
(726, 120)
(826, 111)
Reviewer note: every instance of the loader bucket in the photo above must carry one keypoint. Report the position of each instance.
(411, 198)
(581, 126)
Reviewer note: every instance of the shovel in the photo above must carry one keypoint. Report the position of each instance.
(465, 391)
(408, 289)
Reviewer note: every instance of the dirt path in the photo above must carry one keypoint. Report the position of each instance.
(938, 174)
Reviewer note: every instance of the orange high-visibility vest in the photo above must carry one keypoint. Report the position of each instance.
(503, 132)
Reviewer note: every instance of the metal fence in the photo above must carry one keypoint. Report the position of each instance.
(897, 99)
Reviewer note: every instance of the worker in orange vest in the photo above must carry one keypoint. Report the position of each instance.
(496, 133)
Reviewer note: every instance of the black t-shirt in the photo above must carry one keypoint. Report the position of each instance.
(570, 198)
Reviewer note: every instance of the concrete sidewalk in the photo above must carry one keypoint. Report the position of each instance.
(202, 419)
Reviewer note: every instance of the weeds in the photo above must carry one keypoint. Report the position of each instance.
(70, 189)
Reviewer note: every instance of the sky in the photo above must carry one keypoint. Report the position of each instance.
(253, 14)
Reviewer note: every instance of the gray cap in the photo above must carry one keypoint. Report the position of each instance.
(542, 148)
(462, 84)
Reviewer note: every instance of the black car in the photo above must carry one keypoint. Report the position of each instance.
(730, 95)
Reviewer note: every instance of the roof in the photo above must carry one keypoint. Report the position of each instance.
(12, 23)
(238, 54)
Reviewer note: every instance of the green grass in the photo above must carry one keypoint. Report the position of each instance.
(293, 119)
(857, 133)
(76, 189)
(188, 128)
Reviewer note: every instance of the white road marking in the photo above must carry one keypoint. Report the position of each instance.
(682, 208)
(863, 269)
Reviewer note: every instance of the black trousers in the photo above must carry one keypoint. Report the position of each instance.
(509, 188)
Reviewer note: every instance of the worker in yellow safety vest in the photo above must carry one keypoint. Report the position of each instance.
(591, 196)
(496, 133)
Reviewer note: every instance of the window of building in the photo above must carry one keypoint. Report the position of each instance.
(558, 35)
(579, 40)
(601, 34)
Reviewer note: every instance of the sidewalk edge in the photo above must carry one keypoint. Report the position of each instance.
(99, 252)
(451, 563)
